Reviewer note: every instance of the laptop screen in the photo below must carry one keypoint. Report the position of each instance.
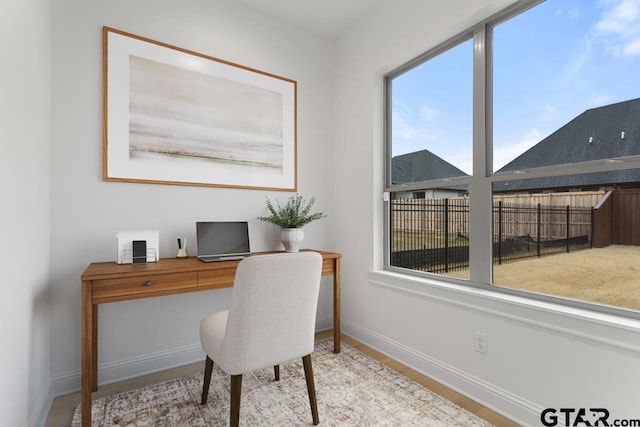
(222, 238)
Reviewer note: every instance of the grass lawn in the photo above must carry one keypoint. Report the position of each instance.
(608, 275)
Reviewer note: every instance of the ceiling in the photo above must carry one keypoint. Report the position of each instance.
(328, 18)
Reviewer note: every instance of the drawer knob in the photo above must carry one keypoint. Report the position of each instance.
(148, 283)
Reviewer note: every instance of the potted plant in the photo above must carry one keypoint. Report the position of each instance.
(291, 217)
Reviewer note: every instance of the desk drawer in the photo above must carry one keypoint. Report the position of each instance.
(161, 284)
(218, 278)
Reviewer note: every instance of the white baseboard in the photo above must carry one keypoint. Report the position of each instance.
(324, 323)
(70, 382)
(514, 407)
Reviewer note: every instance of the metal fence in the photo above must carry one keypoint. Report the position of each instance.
(433, 234)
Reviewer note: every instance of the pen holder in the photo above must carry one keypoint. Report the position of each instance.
(182, 253)
(182, 248)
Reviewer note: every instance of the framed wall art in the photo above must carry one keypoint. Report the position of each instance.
(174, 116)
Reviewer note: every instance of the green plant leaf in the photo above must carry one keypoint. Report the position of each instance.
(296, 213)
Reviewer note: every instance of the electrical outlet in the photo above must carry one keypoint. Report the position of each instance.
(480, 342)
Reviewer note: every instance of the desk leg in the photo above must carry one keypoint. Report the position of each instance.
(336, 307)
(88, 354)
(94, 347)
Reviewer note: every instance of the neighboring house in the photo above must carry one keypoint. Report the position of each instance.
(607, 132)
(425, 166)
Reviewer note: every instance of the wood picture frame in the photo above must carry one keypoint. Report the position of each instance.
(174, 116)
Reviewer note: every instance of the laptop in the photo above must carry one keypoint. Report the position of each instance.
(222, 241)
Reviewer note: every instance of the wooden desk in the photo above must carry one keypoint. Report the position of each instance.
(105, 282)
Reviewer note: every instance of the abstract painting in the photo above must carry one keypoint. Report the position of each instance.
(174, 116)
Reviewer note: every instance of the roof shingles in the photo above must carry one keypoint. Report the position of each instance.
(422, 166)
(606, 132)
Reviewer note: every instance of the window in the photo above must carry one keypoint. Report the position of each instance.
(431, 134)
(551, 131)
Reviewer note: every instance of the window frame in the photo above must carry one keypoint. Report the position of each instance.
(481, 181)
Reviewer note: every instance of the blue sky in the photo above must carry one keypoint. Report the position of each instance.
(551, 63)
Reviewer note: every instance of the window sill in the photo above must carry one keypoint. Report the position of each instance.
(595, 327)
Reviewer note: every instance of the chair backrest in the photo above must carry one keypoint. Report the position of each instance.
(273, 311)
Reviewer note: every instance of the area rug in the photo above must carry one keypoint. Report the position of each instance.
(352, 390)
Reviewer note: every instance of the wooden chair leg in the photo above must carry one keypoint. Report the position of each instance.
(311, 388)
(276, 372)
(236, 391)
(208, 368)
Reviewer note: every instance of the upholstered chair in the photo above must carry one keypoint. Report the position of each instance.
(271, 320)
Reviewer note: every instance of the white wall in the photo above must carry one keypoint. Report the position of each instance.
(144, 335)
(537, 356)
(24, 215)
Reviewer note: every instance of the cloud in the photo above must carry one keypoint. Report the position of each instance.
(632, 48)
(571, 13)
(464, 161)
(598, 100)
(575, 64)
(429, 113)
(620, 19)
(410, 131)
(574, 13)
(619, 27)
(503, 155)
(407, 135)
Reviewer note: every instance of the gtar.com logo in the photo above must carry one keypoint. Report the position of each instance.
(575, 417)
(591, 417)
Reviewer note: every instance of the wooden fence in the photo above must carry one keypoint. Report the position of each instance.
(616, 219)
(431, 214)
(433, 234)
(581, 199)
(427, 214)
(524, 222)
(541, 222)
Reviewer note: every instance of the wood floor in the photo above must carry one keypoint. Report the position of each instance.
(62, 409)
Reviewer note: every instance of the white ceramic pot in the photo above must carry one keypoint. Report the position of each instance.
(291, 239)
